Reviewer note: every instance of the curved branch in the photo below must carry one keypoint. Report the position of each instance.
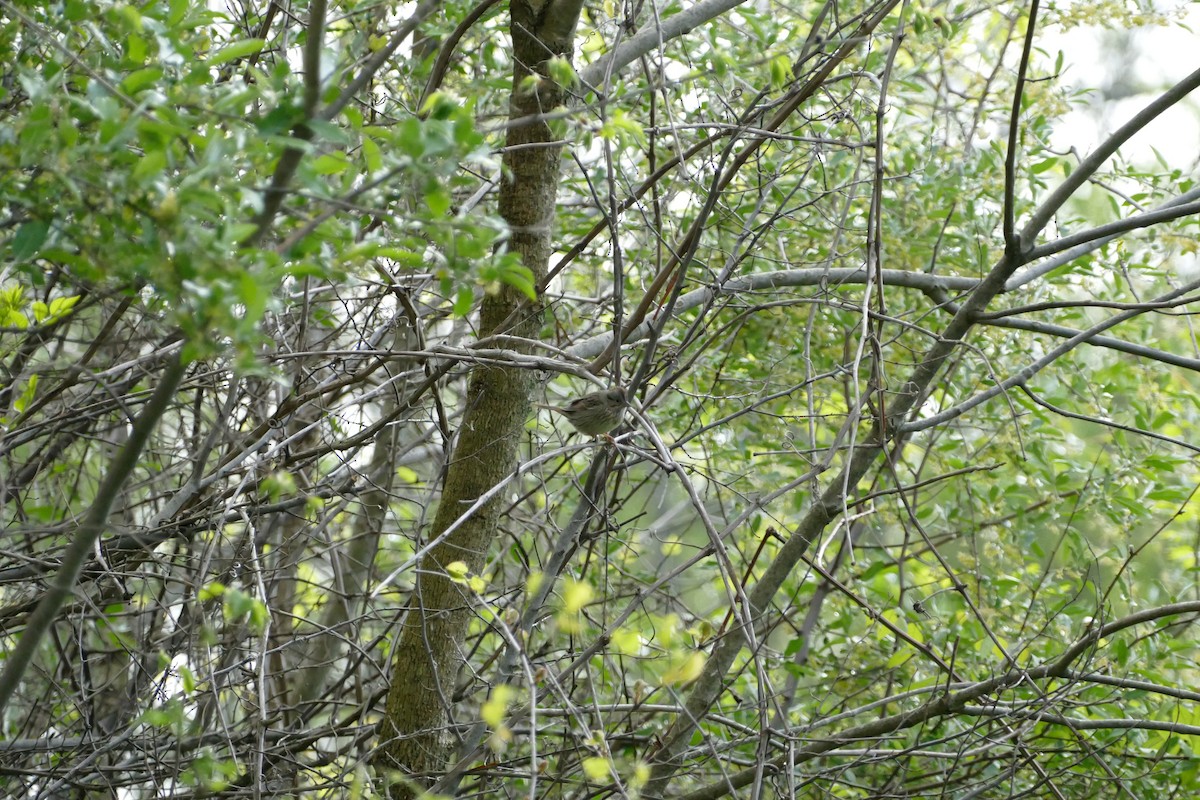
(817, 276)
(1062, 259)
(1028, 372)
(653, 36)
(1011, 242)
(285, 169)
(1113, 229)
(1059, 667)
(1084, 724)
(1064, 332)
(423, 10)
(1062, 412)
(438, 73)
(1089, 165)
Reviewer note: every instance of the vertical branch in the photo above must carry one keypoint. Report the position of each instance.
(1011, 243)
(285, 170)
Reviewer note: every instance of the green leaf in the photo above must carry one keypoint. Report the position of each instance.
(529, 84)
(561, 72)
(179, 9)
(438, 201)
(239, 231)
(135, 49)
(464, 299)
(232, 52)
(35, 136)
(329, 132)
(372, 156)
(720, 62)
(520, 277)
(152, 164)
(253, 296)
(440, 105)
(623, 128)
(61, 306)
(781, 71)
(595, 767)
(331, 163)
(130, 15)
(138, 80)
(410, 138)
(29, 239)
(238, 605)
(11, 318)
(27, 394)
(278, 120)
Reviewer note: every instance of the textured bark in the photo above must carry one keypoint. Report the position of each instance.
(416, 734)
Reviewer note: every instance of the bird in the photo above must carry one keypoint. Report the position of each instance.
(594, 414)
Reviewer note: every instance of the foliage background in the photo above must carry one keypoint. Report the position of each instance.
(262, 236)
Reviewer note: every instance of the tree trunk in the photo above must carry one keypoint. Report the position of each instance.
(416, 734)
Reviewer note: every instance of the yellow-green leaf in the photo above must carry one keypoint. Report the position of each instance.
(60, 306)
(596, 768)
(561, 72)
(781, 71)
(576, 595)
(27, 394)
(496, 707)
(331, 163)
(627, 641)
(684, 669)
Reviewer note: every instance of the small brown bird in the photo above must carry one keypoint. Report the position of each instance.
(596, 413)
